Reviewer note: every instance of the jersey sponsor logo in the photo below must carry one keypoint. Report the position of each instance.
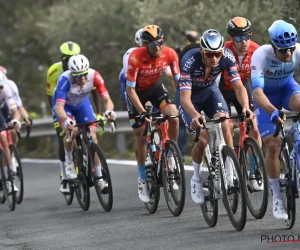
(202, 79)
(152, 72)
(229, 55)
(184, 76)
(233, 68)
(269, 72)
(188, 63)
(281, 72)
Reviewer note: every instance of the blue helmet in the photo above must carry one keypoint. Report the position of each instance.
(212, 40)
(283, 34)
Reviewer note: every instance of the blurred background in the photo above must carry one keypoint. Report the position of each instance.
(32, 31)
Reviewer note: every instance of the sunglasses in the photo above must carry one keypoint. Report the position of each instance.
(211, 54)
(156, 43)
(241, 38)
(79, 75)
(286, 50)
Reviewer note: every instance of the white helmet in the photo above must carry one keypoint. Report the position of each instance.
(2, 78)
(78, 63)
(138, 39)
(212, 40)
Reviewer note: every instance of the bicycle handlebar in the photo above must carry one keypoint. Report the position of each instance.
(112, 123)
(280, 126)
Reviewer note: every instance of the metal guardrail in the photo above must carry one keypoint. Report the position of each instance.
(44, 127)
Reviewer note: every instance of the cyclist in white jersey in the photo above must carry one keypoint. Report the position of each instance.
(273, 85)
(71, 103)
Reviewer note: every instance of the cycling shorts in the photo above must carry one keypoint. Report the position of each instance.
(230, 97)
(265, 126)
(209, 100)
(157, 94)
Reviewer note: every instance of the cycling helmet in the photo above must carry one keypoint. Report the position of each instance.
(78, 63)
(212, 40)
(69, 49)
(239, 26)
(152, 33)
(3, 70)
(138, 39)
(283, 34)
(2, 78)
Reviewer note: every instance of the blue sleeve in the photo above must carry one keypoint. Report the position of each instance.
(231, 66)
(62, 88)
(258, 64)
(186, 69)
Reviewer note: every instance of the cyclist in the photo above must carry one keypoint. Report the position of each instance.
(145, 65)
(198, 91)
(71, 103)
(273, 85)
(67, 50)
(240, 32)
(6, 96)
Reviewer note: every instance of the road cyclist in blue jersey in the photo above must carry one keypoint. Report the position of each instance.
(199, 92)
(274, 86)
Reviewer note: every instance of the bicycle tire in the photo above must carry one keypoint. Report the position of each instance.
(69, 197)
(83, 196)
(9, 198)
(107, 192)
(208, 182)
(238, 224)
(176, 210)
(251, 143)
(290, 198)
(19, 174)
(154, 189)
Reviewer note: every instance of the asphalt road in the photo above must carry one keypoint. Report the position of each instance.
(44, 221)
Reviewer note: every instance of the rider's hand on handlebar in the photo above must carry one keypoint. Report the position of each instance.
(111, 115)
(144, 117)
(69, 123)
(275, 117)
(195, 122)
(16, 124)
(28, 122)
(250, 115)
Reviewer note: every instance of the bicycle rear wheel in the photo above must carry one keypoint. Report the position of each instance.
(286, 190)
(173, 176)
(257, 201)
(234, 196)
(82, 191)
(210, 207)
(18, 176)
(105, 196)
(7, 196)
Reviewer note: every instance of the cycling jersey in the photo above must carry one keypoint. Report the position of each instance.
(7, 97)
(143, 70)
(52, 75)
(68, 92)
(243, 67)
(276, 80)
(15, 91)
(193, 70)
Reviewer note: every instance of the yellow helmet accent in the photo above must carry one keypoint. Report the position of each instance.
(69, 48)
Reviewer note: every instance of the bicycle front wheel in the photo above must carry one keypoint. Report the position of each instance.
(234, 191)
(9, 194)
(69, 197)
(210, 207)
(255, 178)
(154, 189)
(102, 184)
(173, 178)
(18, 176)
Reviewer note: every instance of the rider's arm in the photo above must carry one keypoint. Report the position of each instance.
(102, 91)
(97, 101)
(131, 76)
(168, 73)
(63, 86)
(258, 63)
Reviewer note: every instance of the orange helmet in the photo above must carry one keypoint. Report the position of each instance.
(152, 33)
(239, 26)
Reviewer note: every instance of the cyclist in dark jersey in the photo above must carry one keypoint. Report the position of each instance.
(199, 91)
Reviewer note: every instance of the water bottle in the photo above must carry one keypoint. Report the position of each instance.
(157, 152)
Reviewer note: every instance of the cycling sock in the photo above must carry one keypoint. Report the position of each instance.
(197, 168)
(274, 184)
(5, 172)
(68, 155)
(63, 170)
(98, 170)
(252, 164)
(142, 172)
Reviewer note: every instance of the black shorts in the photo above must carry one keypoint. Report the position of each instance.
(6, 113)
(230, 97)
(157, 94)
